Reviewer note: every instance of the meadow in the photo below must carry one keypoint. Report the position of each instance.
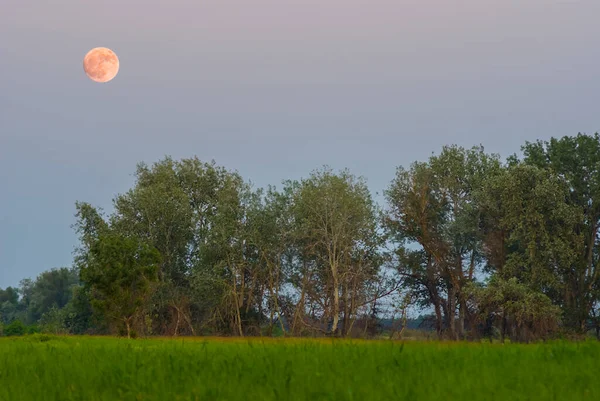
(40, 367)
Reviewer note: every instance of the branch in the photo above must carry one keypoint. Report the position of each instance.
(379, 296)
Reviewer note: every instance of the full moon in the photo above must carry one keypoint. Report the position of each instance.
(101, 64)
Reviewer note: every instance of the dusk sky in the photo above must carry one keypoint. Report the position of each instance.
(273, 89)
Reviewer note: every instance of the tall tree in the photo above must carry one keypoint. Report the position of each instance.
(270, 236)
(528, 239)
(577, 160)
(336, 225)
(433, 220)
(193, 214)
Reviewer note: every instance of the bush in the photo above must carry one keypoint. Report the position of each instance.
(38, 337)
(16, 328)
(521, 313)
(33, 329)
(53, 321)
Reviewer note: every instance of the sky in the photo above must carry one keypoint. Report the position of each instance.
(272, 89)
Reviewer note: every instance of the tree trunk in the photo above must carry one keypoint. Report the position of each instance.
(345, 325)
(438, 316)
(276, 300)
(128, 327)
(177, 323)
(451, 311)
(503, 330)
(462, 312)
(300, 306)
(239, 321)
(272, 317)
(336, 299)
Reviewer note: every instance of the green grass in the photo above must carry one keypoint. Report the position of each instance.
(41, 368)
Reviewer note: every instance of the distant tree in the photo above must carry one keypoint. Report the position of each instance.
(52, 288)
(9, 304)
(53, 321)
(10, 295)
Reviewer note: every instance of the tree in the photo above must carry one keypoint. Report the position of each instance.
(336, 225)
(269, 238)
(433, 221)
(577, 161)
(78, 312)
(119, 271)
(9, 304)
(192, 213)
(10, 295)
(53, 321)
(52, 288)
(527, 227)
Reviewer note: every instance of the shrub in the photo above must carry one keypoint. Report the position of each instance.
(16, 328)
(521, 313)
(53, 321)
(33, 329)
(38, 337)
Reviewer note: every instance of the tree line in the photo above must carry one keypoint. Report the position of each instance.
(491, 247)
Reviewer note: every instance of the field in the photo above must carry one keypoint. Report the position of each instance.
(38, 368)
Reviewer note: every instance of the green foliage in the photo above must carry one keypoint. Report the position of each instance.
(16, 328)
(111, 369)
(528, 226)
(9, 305)
(52, 288)
(335, 229)
(10, 295)
(433, 219)
(9, 312)
(78, 313)
(120, 270)
(54, 321)
(39, 338)
(523, 313)
(576, 159)
(191, 213)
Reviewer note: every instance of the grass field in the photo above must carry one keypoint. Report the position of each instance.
(39, 368)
